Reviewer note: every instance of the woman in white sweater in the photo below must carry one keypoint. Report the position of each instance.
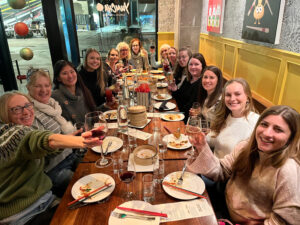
(234, 118)
(263, 174)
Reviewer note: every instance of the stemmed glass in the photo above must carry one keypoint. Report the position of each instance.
(127, 175)
(92, 121)
(204, 125)
(193, 128)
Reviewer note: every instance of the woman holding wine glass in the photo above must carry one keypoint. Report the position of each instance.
(92, 121)
(263, 173)
(210, 91)
(163, 57)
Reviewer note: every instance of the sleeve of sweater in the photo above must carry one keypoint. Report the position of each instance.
(286, 198)
(35, 145)
(209, 165)
(154, 64)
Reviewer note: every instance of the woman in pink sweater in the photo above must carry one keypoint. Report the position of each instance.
(263, 174)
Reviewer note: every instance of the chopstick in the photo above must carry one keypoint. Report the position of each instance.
(143, 211)
(89, 194)
(183, 190)
(167, 129)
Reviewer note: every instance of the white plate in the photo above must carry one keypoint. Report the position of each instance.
(159, 77)
(191, 182)
(170, 105)
(141, 127)
(170, 138)
(172, 116)
(111, 117)
(161, 85)
(94, 181)
(136, 204)
(163, 97)
(156, 71)
(116, 144)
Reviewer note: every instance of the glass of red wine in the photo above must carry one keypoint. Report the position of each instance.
(92, 121)
(127, 175)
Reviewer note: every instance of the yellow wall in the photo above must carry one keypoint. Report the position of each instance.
(164, 38)
(273, 74)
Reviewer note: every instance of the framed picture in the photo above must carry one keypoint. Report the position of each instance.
(263, 20)
(215, 16)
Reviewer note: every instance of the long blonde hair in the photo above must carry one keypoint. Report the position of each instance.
(222, 111)
(4, 99)
(244, 164)
(101, 79)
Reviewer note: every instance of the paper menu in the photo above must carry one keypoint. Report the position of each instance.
(185, 210)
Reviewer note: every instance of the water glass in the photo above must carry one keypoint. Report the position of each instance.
(159, 172)
(163, 146)
(132, 138)
(148, 188)
(204, 125)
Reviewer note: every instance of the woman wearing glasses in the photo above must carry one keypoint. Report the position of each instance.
(123, 66)
(263, 173)
(139, 58)
(47, 116)
(181, 69)
(25, 190)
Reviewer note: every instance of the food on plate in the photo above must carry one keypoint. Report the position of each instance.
(159, 96)
(176, 144)
(145, 153)
(111, 116)
(172, 116)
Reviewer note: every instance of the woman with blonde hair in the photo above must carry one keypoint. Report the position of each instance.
(93, 75)
(138, 59)
(25, 189)
(123, 65)
(163, 52)
(263, 173)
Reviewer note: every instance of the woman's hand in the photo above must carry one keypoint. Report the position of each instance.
(199, 141)
(89, 141)
(172, 87)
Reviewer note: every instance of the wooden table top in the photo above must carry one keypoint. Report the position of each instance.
(99, 213)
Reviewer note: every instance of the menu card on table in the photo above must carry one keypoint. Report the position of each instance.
(138, 134)
(185, 210)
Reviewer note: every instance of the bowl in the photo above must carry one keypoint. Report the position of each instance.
(144, 154)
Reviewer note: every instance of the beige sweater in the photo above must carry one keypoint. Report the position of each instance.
(271, 197)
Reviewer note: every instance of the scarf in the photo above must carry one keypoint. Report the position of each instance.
(54, 110)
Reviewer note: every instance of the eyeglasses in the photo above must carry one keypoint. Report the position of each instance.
(124, 50)
(135, 45)
(20, 109)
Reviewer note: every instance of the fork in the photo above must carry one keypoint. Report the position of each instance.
(108, 145)
(123, 215)
(180, 180)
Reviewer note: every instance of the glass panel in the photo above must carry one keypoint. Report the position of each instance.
(98, 27)
(36, 39)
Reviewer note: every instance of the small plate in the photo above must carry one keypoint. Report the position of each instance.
(191, 182)
(161, 85)
(136, 204)
(170, 106)
(141, 127)
(93, 181)
(117, 143)
(156, 71)
(177, 144)
(172, 116)
(162, 97)
(159, 77)
(110, 115)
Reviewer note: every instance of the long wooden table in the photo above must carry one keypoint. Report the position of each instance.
(99, 213)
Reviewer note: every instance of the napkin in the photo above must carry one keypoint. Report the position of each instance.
(141, 168)
(163, 106)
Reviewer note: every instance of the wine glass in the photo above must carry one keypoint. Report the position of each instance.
(92, 121)
(196, 108)
(192, 130)
(127, 175)
(204, 125)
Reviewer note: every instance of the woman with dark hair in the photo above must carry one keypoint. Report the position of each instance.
(138, 58)
(263, 173)
(181, 69)
(71, 93)
(210, 91)
(188, 92)
(93, 76)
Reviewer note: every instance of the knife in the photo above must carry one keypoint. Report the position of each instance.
(163, 106)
